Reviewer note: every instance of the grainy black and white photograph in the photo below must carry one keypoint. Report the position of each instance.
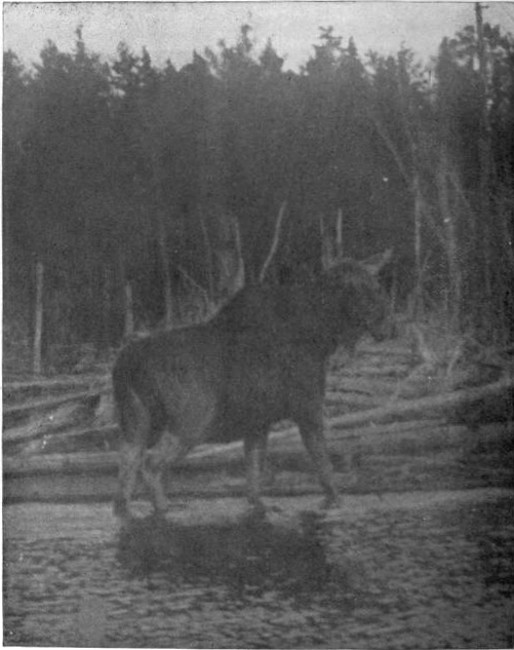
(258, 325)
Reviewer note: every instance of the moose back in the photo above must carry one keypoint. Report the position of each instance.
(262, 358)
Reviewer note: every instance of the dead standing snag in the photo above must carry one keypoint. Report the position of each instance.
(261, 359)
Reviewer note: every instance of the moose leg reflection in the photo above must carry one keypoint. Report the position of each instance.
(255, 460)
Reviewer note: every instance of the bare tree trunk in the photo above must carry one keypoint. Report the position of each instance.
(161, 234)
(494, 234)
(208, 253)
(230, 268)
(165, 267)
(418, 202)
(452, 247)
(128, 303)
(239, 280)
(339, 234)
(325, 242)
(274, 243)
(331, 247)
(420, 205)
(38, 324)
(485, 159)
(106, 306)
(129, 311)
(6, 246)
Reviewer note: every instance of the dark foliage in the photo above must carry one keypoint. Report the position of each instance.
(127, 172)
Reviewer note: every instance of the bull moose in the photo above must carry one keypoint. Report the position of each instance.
(260, 359)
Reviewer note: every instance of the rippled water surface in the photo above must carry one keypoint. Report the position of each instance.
(402, 571)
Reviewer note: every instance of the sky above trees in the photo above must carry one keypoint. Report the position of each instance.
(174, 30)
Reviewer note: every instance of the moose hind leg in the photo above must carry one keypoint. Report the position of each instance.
(168, 450)
(191, 420)
(311, 430)
(134, 426)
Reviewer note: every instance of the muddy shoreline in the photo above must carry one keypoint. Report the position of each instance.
(417, 555)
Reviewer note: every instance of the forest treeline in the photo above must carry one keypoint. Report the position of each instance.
(136, 187)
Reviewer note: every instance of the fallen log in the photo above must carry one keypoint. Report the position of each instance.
(63, 381)
(51, 402)
(76, 440)
(205, 456)
(431, 406)
(411, 439)
(427, 407)
(350, 400)
(82, 412)
(48, 464)
(68, 415)
(392, 370)
(390, 348)
(384, 386)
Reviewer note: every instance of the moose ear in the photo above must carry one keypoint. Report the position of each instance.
(376, 263)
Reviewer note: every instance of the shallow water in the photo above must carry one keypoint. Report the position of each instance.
(403, 571)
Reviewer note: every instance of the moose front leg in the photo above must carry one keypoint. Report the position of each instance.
(131, 457)
(255, 457)
(311, 430)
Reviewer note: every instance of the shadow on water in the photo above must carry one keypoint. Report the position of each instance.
(251, 555)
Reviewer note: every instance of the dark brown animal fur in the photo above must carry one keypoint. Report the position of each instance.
(262, 358)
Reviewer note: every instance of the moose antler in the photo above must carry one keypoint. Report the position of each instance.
(274, 243)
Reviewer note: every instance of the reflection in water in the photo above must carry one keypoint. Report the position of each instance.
(400, 576)
(251, 555)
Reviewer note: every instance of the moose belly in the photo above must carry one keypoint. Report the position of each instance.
(225, 434)
(238, 418)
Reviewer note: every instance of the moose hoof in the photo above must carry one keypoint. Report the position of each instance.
(122, 512)
(161, 508)
(330, 501)
(120, 507)
(257, 510)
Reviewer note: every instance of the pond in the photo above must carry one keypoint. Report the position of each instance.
(404, 570)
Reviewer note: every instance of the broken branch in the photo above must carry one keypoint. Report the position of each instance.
(274, 243)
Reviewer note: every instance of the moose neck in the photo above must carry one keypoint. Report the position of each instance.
(343, 320)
